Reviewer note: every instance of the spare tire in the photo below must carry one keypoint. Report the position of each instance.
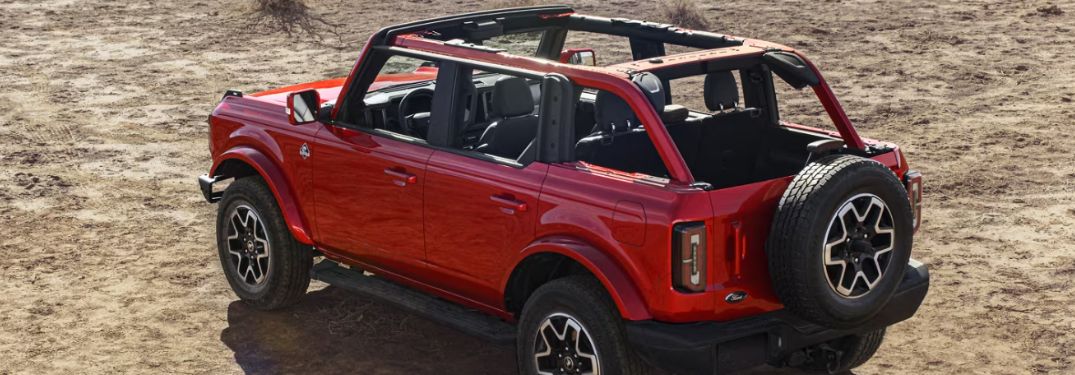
(840, 240)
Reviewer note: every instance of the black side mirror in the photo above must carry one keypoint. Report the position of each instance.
(302, 107)
(791, 69)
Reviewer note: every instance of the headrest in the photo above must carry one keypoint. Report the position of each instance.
(652, 87)
(674, 113)
(512, 98)
(610, 110)
(721, 91)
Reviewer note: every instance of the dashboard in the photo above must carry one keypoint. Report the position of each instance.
(384, 109)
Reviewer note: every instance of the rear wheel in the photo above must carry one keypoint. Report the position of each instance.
(264, 265)
(570, 327)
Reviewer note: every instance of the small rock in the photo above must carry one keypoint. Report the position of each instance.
(1052, 10)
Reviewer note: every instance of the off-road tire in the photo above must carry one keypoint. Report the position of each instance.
(800, 231)
(583, 298)
(288, 274)
(857, 350)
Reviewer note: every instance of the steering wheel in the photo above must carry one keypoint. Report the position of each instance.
(406, 115)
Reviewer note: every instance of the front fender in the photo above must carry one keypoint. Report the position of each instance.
(619, 285)
(278, 183)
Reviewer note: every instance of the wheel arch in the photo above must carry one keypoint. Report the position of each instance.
(244, 161)
(554, 257)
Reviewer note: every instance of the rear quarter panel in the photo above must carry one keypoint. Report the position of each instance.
(594, 207)
(588, 205)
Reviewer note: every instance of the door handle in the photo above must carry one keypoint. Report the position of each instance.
(401, 178)
(509, 204)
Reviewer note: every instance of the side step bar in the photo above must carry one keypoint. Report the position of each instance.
(450, 314)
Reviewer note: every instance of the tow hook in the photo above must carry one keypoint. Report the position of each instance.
(815, 355)
(830, 356)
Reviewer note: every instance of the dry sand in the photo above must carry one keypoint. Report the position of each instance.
(107, 263)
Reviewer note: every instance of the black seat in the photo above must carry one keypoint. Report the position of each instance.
(514, 104)
(621, 142)
(584, 120)
(730, 140)
(721, 92)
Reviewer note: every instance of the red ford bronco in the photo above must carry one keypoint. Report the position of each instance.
(486, 171)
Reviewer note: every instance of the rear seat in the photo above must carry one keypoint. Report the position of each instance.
(621, 142)
(720, 148)
(728, 140)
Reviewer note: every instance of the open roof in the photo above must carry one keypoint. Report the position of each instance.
(476, 27)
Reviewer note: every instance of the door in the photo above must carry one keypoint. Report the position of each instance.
(478, 214)
(368, 193)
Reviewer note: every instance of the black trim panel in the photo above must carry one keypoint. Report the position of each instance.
(720, 347)
(205, 183)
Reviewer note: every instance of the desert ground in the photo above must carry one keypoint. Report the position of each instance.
(108, 264)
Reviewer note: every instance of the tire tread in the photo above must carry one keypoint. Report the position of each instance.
(588, 289)
(295, 260)
(797, 209)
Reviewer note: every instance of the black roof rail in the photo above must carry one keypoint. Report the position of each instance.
(655, 31)
(477, 26)
(457, 21)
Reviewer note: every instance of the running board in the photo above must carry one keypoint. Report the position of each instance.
(468, 321)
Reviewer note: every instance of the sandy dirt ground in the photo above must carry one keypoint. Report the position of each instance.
(107, 262)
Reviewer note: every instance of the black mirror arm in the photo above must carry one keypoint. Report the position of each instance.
(324, 114)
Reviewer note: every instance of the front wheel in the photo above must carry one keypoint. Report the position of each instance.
(570, 327)
(264, 265)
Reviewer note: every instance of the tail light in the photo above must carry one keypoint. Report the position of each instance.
(689, 257)
(913, 180)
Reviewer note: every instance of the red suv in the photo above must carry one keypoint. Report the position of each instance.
(486, 171)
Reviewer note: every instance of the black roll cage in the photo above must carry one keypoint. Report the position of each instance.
(556, 107)
(647, 39)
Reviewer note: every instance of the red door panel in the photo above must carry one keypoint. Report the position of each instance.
(478, 215)
(368, 192)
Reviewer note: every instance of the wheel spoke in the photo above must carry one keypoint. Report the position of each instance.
(840, 239)
(243, 267)
(248, 244)
(858, 250)
(880, 273)
(563, 346)
(843, 273)
(233, 230)
(251, 222)
(590, 357)
(854, 281)
(543, 334)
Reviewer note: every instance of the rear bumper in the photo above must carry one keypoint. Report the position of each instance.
(770, 338)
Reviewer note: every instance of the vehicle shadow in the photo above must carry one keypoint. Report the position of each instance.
(333, 331)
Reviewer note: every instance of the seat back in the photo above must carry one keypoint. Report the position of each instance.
(513, 102)
(721, 148)
(621, 142)
(721, 92)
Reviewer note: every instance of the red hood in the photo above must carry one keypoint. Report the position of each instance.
(329, 90)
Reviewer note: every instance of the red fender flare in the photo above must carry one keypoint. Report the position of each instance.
(277, 182)
(617, 283)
